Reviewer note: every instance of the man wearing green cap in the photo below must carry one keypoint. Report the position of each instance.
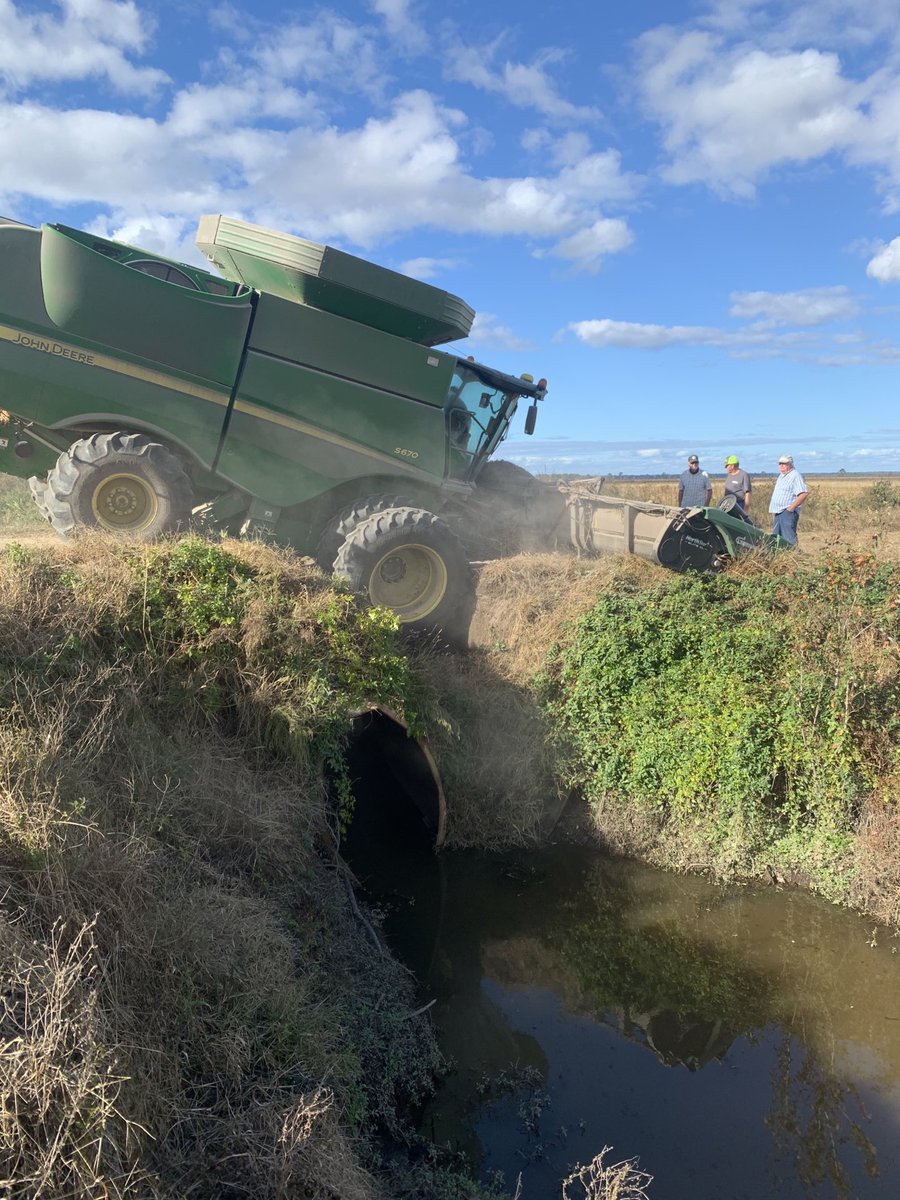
(737, 483)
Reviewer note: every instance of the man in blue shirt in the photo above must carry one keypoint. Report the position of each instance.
(694, 488)
(790, 492)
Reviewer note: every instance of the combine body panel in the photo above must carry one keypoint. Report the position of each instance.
(324, 402)
(89, 343)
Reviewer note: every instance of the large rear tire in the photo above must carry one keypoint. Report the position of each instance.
(500, 475)
(124, 483)
(512, 512)
(341, 526)
(408, 560)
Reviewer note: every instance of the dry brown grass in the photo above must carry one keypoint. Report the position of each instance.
(877, 858)
(58, 1072)
(18, 513)
(599, 1181)
(187, 1002)
(525, 603)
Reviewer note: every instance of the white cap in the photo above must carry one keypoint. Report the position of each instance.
(785, 458)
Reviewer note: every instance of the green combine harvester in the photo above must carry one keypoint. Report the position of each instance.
(299, 396)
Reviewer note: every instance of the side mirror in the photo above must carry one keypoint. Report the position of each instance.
(531, 419)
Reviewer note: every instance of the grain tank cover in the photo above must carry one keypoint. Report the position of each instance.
(329, 279)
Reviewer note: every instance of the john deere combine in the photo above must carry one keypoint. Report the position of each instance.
(299, 395)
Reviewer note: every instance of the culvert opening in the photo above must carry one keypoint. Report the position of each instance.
(398, 821)
(396, 785)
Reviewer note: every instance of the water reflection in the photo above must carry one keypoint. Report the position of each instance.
(740, 1042)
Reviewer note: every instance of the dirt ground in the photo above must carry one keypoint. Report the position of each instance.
(27, 537)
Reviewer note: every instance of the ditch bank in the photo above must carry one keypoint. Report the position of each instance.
(191, 1001)
(746, 726)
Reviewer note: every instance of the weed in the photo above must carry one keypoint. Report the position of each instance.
(753, 706)
(599, 1181)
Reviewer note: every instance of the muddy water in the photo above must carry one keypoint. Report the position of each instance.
(741, 1042)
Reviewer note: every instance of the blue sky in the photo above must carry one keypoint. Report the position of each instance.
(685, 215)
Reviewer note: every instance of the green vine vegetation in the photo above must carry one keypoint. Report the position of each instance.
(756, 710)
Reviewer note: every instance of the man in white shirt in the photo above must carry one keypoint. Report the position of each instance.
(789, 493)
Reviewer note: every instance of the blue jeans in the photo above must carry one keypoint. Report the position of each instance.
(785, 525)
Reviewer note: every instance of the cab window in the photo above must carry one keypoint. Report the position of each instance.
(476, 413)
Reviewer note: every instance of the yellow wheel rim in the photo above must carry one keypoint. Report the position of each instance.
(411, 580)
(124, 504)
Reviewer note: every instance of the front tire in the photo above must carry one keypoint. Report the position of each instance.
(341, 526)
(123, 483)
(408, 560)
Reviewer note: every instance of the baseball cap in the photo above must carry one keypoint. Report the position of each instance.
(693, 458)
(732, 460)
(785, 458)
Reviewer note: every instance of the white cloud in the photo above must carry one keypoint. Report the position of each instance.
(361, 184)
(750, 86)
(427, 268)
(328, 51)
(755, 341)
(401, 24)
(266, 135)
(632, 335)
(780, 23)
(588, 246)
(525, 86)
(814, 306)
(198, 110)
(88, 39)
(731, 115)
(487, 330)
(885, 266)
(598, 177)
(162, 235)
